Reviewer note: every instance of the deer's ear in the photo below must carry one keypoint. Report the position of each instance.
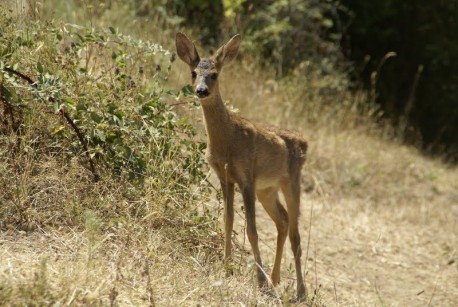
(186, 50)
(228, 51)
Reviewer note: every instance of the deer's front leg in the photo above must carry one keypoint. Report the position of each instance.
(249, 199)
(228, 195)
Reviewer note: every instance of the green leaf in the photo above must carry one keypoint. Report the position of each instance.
(112, 30)
(328, 23)
(100, 134)
(95, 117)
(187, 90)
(69, 101)
(57, 129)
(8, 95)
(40, 68)
(81, 107)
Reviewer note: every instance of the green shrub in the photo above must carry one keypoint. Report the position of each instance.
(287, 33)
(95, 97)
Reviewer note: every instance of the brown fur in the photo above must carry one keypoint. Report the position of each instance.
(260, 159)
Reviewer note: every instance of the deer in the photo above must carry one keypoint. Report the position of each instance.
(260, 159)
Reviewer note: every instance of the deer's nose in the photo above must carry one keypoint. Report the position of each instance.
(202, 92)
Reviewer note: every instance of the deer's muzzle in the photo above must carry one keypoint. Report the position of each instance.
(202, 92)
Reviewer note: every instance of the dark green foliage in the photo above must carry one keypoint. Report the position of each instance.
(205, 16)
(285, 33)
(288, 33)
(417, 88)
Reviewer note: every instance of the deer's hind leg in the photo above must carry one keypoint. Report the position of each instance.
(291, 191)
(269, 200)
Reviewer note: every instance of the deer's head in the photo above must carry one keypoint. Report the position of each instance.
(205, 71)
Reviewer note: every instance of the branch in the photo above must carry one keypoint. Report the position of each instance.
(19, 74)
(69, 120)
(83, 143)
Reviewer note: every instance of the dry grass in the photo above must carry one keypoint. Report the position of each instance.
(383, 220)
(384, 228)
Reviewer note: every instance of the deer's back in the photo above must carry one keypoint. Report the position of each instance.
(294, 140)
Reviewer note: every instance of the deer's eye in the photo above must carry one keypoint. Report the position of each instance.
(214, 76)
(193, 74)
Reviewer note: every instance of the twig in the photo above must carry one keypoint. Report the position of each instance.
(19, 74)
(179, 103)
(411, 100)
(69, 121)
(335, 292)
(308, 238)
(83, 143)
(434, 292)
(316, 276)
(375, 74)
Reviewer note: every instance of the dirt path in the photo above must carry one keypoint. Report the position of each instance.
(361, 255)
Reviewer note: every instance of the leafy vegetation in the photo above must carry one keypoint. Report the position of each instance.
(92, 105)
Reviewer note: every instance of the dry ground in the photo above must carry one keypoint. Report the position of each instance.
(379, 250)
(373, 250)
(365, 256)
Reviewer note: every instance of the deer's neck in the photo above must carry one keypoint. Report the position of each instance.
(217, 122)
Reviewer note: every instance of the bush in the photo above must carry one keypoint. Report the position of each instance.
(97, 98)
(288, 33)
